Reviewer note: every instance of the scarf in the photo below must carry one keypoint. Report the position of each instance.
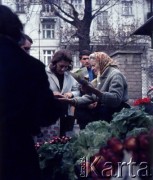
(103, 61)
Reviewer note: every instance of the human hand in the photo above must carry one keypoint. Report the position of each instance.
(58, 94)
(68, 95)
(92, 105)
(87, 88)
(65, 100)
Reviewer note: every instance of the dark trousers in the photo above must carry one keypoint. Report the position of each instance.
(85, 115)
(66, 124)
(106, 113)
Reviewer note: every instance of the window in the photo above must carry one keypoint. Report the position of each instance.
(48, 29)
(104, 39)
(102, 20)
(48, 54)
(20, 6)
(100, 2)
(77, 4)
(48, 8)
(127, 8)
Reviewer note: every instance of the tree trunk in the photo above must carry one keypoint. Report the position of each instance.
(84, 43)
(83, 33)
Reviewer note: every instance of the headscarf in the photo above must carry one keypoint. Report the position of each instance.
(103, 61)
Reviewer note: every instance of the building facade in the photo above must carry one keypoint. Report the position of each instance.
(116, 20)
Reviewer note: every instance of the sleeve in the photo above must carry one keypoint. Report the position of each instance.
(75, 87)
(46, 108)
(114, 96)
(85, 100)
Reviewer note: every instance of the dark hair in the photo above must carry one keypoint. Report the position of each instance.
(84, 53)
(10, 25)
(28, 38)
(24, 38)
(60, 55)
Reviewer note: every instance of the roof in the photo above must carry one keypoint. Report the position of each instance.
(146, 28)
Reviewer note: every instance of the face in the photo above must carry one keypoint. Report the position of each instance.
(85, 61)
(62, 66)
(94, 65)
(26, 47)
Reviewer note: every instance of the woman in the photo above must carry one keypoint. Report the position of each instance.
(63, 84)
(109, 88)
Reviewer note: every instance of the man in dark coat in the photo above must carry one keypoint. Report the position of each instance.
(26, 103)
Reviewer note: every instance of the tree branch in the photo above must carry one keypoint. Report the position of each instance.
(98, 11)
(60, 9)
(65, 19)
(100, 8)
(75, 13)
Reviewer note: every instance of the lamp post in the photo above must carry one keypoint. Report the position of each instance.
(39, 39)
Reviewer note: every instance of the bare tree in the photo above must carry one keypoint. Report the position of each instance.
(82, 22)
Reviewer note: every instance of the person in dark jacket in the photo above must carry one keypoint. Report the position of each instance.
(84, 115)
(26, 103)
(84, 60)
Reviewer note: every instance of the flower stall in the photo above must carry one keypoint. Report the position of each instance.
(97, 151)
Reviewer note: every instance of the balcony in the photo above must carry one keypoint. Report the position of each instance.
(46, 14)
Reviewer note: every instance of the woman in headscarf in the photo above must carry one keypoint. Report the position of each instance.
(109, 88)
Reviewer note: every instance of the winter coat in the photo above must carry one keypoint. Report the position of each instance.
(113, 86)
(69, 84)
(26, 104)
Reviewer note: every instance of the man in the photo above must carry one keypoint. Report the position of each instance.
(84, 114)
(84, 59)
(26, 103)
(26, 43)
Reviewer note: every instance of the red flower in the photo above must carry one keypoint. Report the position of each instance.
(142, 101)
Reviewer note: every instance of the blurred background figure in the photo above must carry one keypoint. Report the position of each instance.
(84, 60)
(83, 114)
(26, 104)
(149, 106)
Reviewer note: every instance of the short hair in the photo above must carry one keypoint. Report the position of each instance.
(10, 25)
(59, 56)
(24, 38)
(84, 53)
(28, 38)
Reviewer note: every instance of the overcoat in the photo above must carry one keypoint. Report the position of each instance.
(112, 83)
(114, 94)
(26, 104)
(69, 85)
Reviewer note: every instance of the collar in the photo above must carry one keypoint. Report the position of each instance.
(66, 73)
(106, 72)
